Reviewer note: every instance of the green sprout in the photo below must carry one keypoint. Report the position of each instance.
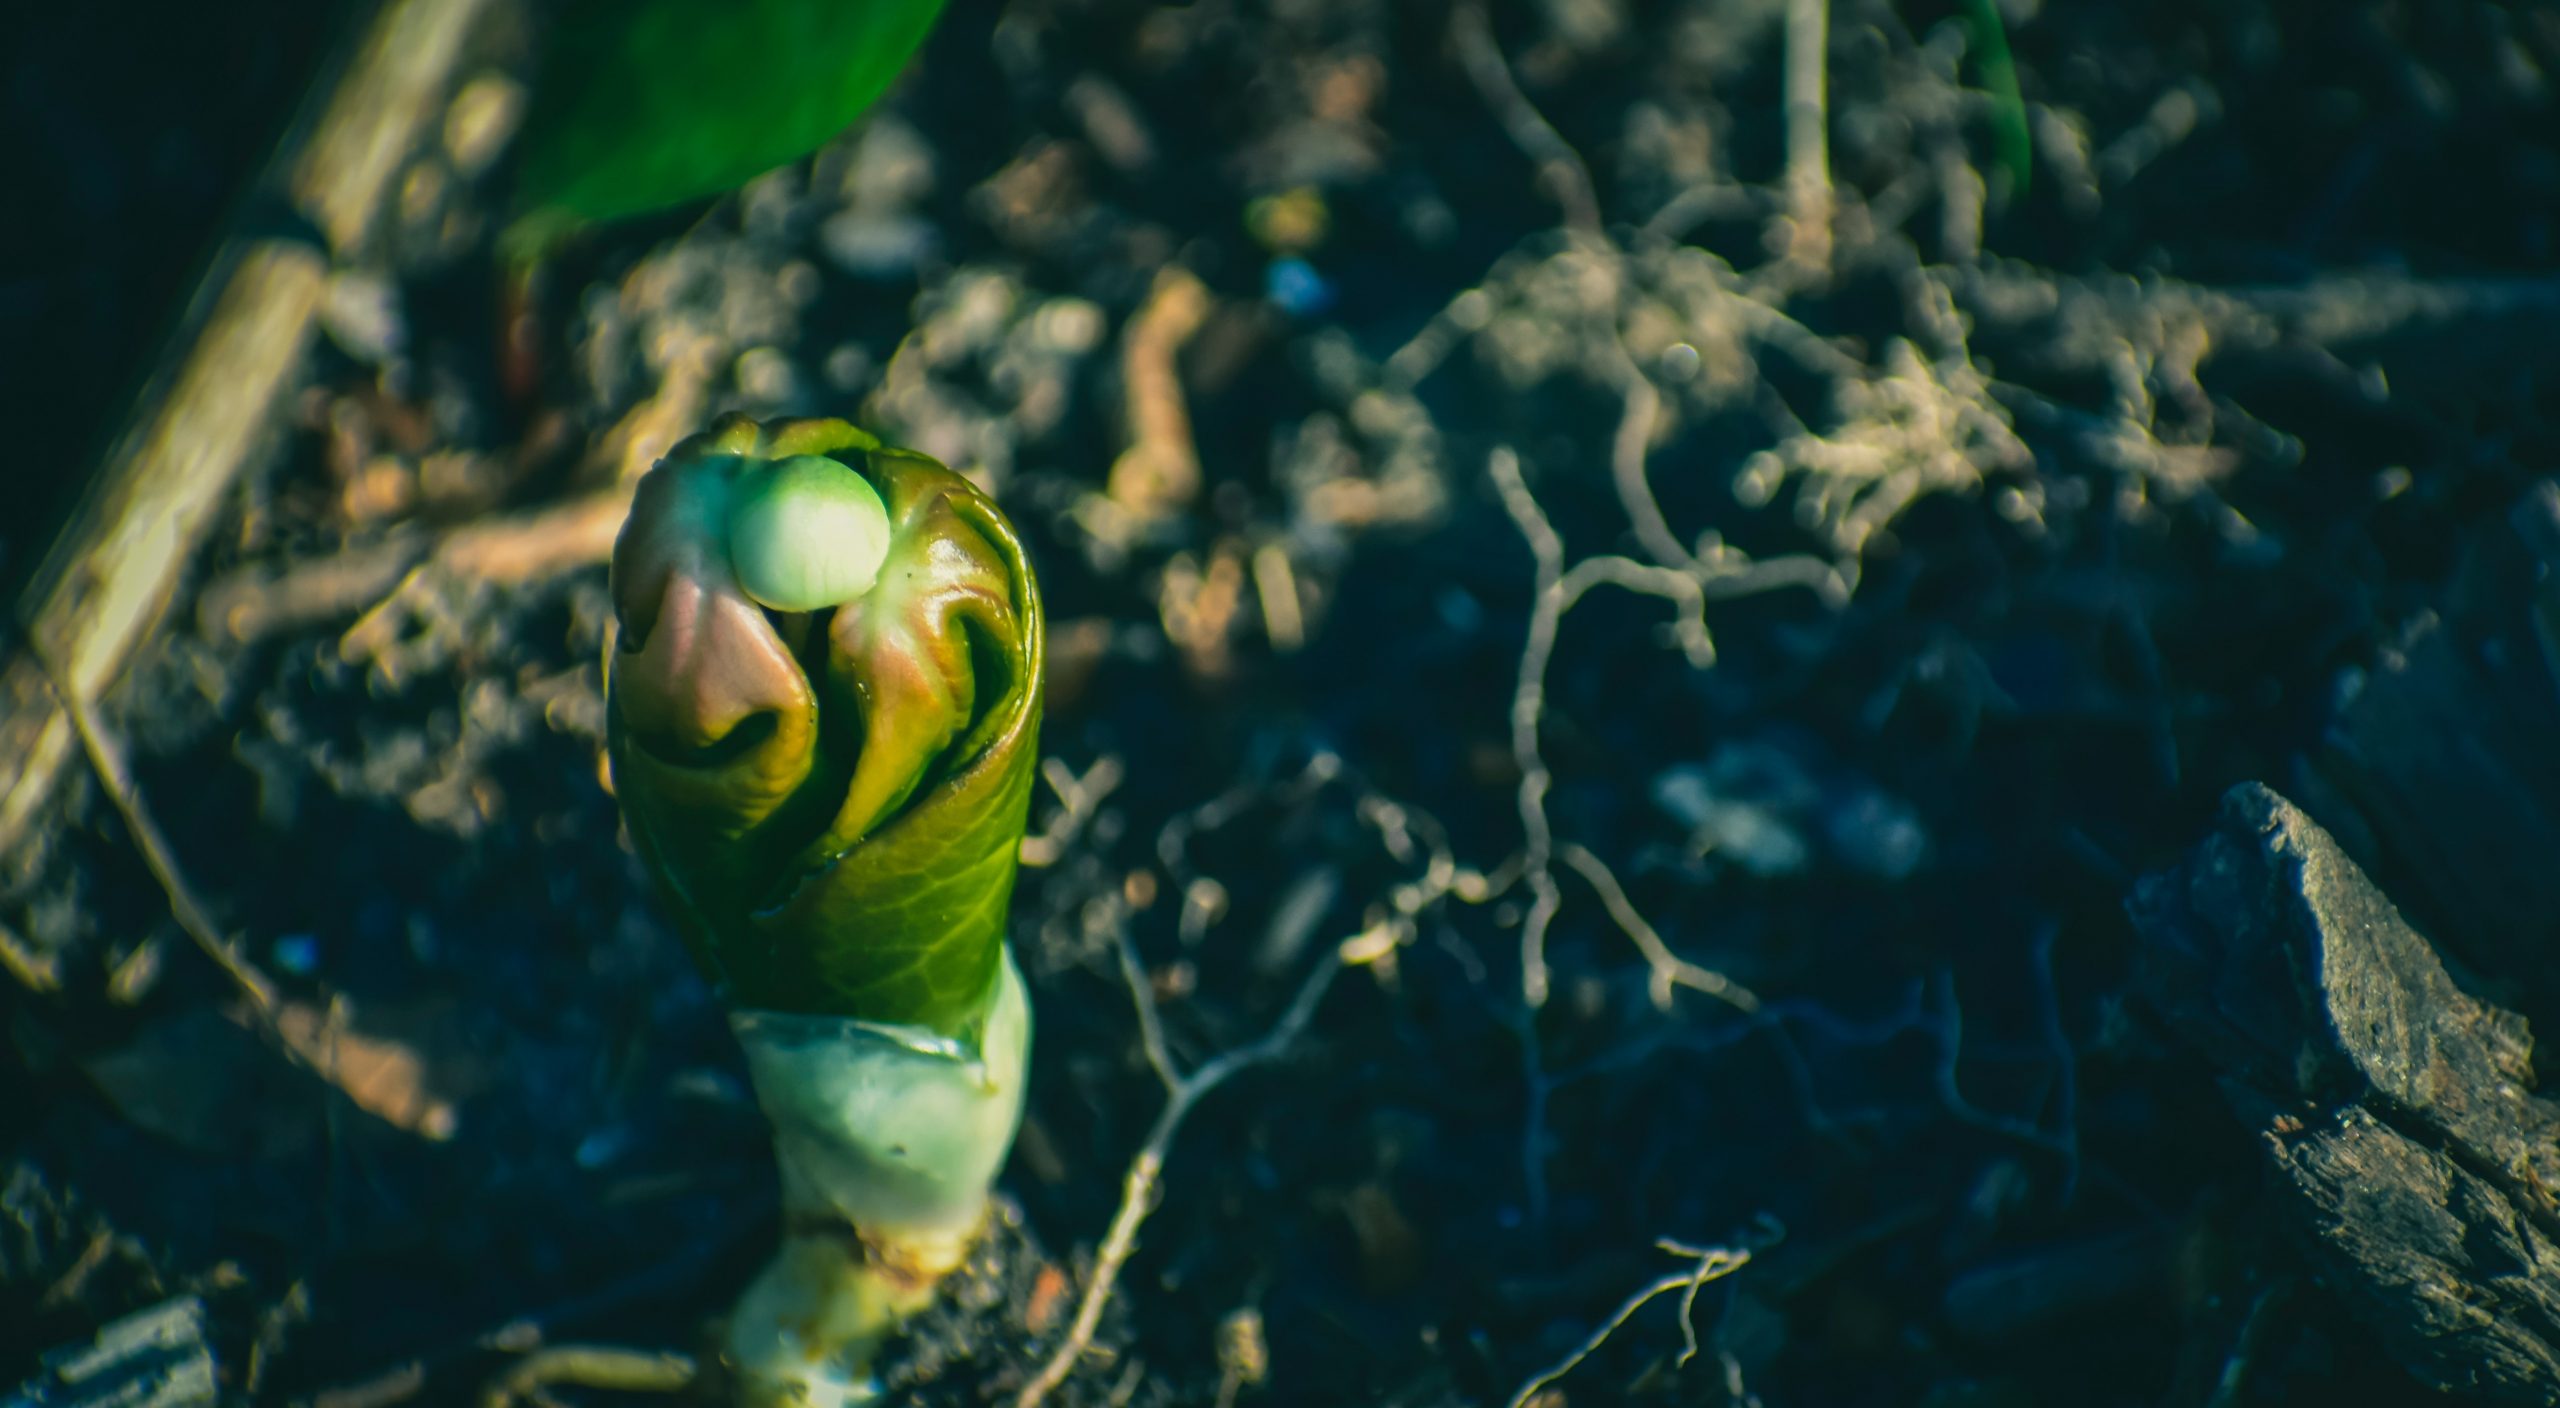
(825, 704)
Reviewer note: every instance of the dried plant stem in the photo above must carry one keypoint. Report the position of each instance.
(115, 567)
(1138, 1188)
(1808, 180)
(106, 755)
(35, 970)
(1558, 588)
(378, 1077)
(1079, 799)
(1669, 969)
(1560, 168)
(1712, 1263)
(1723, 572)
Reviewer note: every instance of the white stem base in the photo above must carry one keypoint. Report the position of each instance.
(889, 1138)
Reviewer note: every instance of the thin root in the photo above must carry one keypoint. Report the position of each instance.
(1712, 1263)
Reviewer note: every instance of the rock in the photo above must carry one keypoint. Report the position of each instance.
(2393, 1108)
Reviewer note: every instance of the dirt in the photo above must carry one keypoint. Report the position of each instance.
(2047, 506)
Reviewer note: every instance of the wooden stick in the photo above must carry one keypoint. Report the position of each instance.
(115, 567)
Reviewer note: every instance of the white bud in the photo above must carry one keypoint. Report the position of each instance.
(806, 533)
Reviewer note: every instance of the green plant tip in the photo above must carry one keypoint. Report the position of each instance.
(806, 533)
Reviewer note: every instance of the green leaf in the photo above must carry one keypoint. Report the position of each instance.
(642, 104)
(833, 800)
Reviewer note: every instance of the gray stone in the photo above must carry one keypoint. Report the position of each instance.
(2393, 1107)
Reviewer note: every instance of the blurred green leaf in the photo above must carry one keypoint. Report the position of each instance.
(642, 104)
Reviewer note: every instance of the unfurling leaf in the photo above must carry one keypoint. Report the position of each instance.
(827, 763)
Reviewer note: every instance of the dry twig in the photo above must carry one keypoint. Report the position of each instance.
(384, 1078)
(1669, 969)
(1079, 798)
(1560, 168)
(1138, 1188)
(38, 972)
(1808, 179)
(1408, 836)
(114, 569)
(1712, 1264)
(1724, 572)
(106, 755)
(1558, 588)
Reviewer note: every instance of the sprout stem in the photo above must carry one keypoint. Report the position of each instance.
(825, 713)
(889, 1138)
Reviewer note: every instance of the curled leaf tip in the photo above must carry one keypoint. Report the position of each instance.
(806, 533)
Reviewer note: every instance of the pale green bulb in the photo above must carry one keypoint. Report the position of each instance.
(806, 533)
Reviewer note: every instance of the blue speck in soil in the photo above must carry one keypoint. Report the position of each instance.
(603, 1147)
(1296, 287)
(298, 954)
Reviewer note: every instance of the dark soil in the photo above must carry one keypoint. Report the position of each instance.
(2104, 473)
